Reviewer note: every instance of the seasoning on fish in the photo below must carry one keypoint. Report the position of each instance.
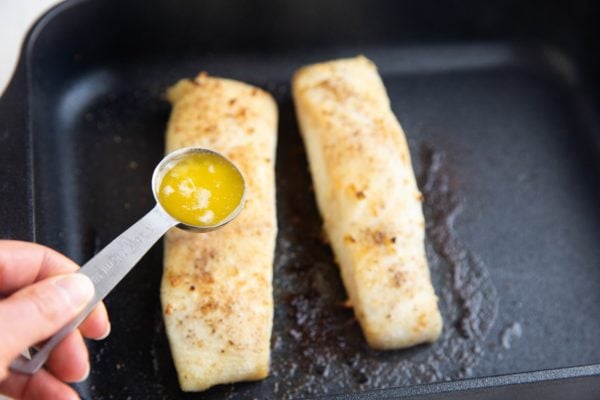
(216, 288)
(368, 198)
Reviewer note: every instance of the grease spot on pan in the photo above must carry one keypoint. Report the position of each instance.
(318, 347)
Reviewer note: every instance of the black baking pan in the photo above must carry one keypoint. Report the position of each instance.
(499, 101)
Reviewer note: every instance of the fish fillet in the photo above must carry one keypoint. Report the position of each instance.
(368, 198)
(216, 288)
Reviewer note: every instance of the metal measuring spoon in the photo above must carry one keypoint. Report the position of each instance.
(112, 263)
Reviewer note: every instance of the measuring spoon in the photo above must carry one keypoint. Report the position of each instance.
(107, 268)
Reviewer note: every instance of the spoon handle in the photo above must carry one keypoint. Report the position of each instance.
(106, 269)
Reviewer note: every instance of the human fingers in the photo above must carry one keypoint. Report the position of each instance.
(69, 360)
(96, 326)
(40, 386)
(39, 310)
(22, 263)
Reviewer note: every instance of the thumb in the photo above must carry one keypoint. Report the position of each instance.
(37, 311)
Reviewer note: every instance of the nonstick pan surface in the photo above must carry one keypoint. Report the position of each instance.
(502, 127)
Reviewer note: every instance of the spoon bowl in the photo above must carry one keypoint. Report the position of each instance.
(179, 155)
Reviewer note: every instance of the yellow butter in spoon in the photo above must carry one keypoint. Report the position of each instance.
(202, 189)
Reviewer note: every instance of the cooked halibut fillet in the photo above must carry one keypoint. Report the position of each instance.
(368, 198)
(216, 289)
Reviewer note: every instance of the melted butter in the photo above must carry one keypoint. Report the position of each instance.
(203, 189)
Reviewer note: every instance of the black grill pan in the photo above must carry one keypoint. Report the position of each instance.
(499, 101)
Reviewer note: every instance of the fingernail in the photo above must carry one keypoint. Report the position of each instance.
(85, 376)
(77, 288)
(105, 335)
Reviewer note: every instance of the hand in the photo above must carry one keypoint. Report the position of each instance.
(41, 295)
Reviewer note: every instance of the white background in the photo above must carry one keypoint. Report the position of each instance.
(16, 17)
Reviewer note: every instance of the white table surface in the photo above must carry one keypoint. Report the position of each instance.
(16, 17)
